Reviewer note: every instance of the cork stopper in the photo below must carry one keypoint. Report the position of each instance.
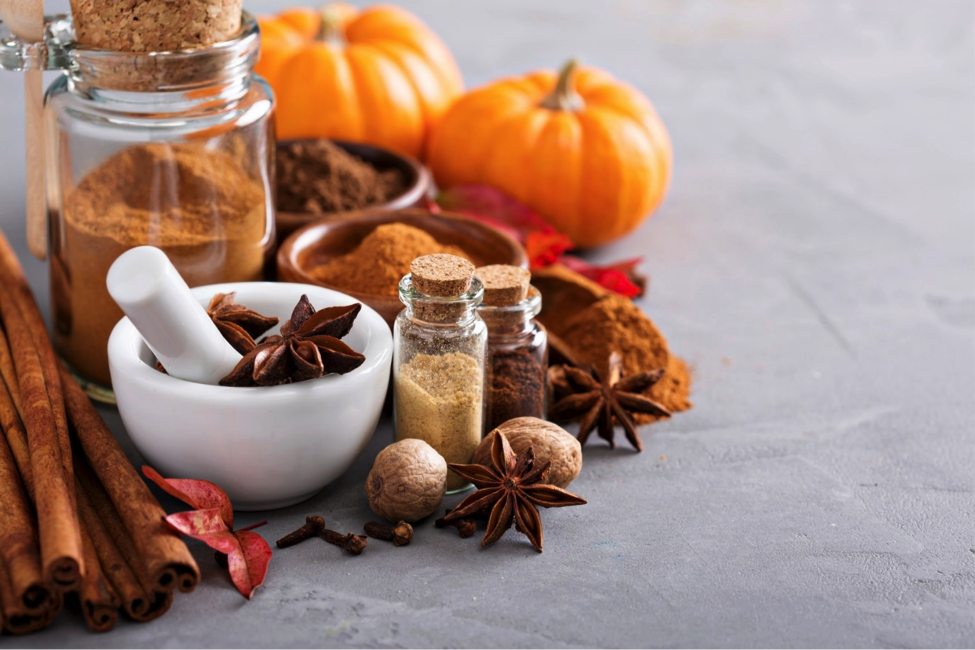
(442, 275)
(154, 25)
(504, 285)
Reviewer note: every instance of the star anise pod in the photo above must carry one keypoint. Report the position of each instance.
(597, 402)
(307, 348)
(238, 324)
(511, 488)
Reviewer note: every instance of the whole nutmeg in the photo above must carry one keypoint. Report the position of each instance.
(407, 481)
(550, 442)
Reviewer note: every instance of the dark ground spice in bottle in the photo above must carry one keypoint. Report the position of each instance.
(517, 345)
(517, 386)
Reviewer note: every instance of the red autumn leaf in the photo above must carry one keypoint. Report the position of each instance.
(248, 554)
(543, 243)
(545, 248)
(248, 563)
(201, 495)
(495, 208)
(621, 277)
(199, 524)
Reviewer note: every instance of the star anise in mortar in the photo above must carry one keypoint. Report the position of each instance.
(238, 324)
(307, 348)
(597, 402)
(512, 488)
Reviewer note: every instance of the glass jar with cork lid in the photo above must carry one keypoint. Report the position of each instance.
(439, 347)
(517, 357)
(158, 133)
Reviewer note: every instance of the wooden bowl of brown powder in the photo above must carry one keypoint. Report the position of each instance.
(318, 178)
(365, 254)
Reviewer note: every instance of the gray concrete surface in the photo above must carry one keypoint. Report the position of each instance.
(814, 262)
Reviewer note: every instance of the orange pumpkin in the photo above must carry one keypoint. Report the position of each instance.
(378, 76)
(584, 150)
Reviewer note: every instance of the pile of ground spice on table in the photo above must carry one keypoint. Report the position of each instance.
(319, 177)
(614, 323)
(594, 323)
(382, 258)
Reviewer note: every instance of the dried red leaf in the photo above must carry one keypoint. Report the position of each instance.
(496, 208)
(204, 525)
(248, 554)
(198, 494)
(620, 278)
(544, 248)
(248, 562)
(544, 244)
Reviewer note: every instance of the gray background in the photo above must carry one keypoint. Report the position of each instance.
(814, 262)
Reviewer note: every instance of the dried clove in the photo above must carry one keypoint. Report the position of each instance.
(352, 543)
(400, 534)
(466, 526)
(314, 525)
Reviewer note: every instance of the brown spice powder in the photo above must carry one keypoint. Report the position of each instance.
(382, 258)
(198, 206)
(614, 323)
(320, 177)
(517, 387)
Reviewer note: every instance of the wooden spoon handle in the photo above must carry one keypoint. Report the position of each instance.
(25, 18)
(36, 191)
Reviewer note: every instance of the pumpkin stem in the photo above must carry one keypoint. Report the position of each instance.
(564, 97)
(331, 30)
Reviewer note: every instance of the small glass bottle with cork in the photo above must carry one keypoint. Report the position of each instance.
(439, 351)
(517, 345)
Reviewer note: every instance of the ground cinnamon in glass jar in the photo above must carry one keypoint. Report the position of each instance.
(381, 259)
(198, 206)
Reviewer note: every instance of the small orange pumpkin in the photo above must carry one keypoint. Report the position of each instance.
(584, 150)
(378, 76)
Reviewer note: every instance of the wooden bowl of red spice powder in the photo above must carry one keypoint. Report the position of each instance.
(316, 178)
(365, 254)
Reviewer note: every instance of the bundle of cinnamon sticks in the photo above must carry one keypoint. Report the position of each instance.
(77, 523)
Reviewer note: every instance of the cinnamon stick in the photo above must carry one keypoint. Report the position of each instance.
(56, 511)
(170, 565)
(118, 555)
(8, 374)
(135, 602)
(18, 538)
(99, 602)
(12, 275)
(23, 616)
(16, 436)
(16, 620)
(132, 596)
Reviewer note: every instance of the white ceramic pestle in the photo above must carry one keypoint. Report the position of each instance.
(176, 327)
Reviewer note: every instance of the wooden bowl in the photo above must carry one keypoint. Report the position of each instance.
(418, 184)
(317, 243)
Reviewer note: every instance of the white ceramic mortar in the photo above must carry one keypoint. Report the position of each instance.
(267, 447)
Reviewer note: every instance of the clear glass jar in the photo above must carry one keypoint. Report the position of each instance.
(517, 361)
(169, 149)
(439, 347)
